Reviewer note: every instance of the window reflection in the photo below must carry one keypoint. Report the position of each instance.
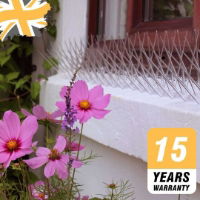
(156, 10)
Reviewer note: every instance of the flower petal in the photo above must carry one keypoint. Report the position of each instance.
(63, 92)
(25, 112)
(4, 156)
(56, 114)
(60, 143)
(39, 112)
(79, 113)
(21, 153)
(102, 102)
(76, 164)
(65, 158)
(86, 116)
(28, 128)
(2, 147)
(49, 169)
(42, 151)
(95, 93)
(6, 164)
(36, 162)
(61, 105)
(12, 121)
(99, 114)
(79, 91)
(61, 169)
(4, 132)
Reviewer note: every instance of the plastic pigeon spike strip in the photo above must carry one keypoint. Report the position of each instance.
(167, 65)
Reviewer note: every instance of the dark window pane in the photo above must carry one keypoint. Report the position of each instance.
(156, 10)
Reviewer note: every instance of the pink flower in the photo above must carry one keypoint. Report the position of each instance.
(38, 190)
(62, 104)
(73, 146)
(55, 160)
(74, 163)
(63, 92)
(41, 114)
(15, 138)
(83, 198)
(87, 103)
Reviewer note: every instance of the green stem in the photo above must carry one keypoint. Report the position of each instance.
(48, 188)
(25, 178)
(47, 134)
(18, 101)
(77, 157)
(112, 195)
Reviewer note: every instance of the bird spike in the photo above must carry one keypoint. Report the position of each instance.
(165, 65)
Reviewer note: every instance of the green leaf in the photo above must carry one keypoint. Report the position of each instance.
(42, 76)
(11, 49)
(3, 88)
(50, 63)
(11, 76)
(51, 29)
(4, 60)
(22, 81)
(32, 178)
(1, 78)
(35, 90)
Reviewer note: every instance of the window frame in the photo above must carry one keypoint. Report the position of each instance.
(135, 22)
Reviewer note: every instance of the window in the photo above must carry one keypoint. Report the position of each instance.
(108, 18)
(158, 10)
(151, 15)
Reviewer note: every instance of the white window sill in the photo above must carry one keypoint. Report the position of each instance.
(133, 114)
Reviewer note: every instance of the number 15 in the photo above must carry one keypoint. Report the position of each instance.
(176, 146)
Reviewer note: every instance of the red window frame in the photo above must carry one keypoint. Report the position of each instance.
(135, 22)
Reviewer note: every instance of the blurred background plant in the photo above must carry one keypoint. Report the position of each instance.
(17, 87)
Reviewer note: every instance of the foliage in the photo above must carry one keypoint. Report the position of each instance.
(16, 87)
(60, 155)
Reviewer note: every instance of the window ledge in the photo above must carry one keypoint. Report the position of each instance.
(133, 114)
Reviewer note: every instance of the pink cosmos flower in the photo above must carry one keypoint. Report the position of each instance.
(41, 114)
(87, 103)
(38, 190)
(55, 160)
(15, 138)
(73, 146)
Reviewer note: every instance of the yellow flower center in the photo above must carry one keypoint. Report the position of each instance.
(54, 155)
(84, 105)
(12, 145)
(41, 195)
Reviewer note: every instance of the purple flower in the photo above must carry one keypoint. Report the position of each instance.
(67, 109)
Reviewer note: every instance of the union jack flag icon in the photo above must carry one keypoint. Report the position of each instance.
(22, 17)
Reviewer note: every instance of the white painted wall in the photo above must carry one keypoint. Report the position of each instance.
(114, 165)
